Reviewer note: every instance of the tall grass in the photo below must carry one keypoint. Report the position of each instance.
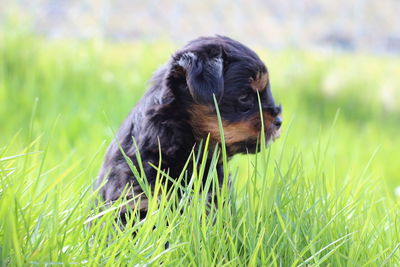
(323, 194)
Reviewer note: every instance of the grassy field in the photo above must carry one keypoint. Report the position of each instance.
(323, 194)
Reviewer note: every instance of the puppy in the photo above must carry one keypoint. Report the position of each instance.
(178, 111)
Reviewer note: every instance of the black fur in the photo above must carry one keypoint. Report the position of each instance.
(206, 66)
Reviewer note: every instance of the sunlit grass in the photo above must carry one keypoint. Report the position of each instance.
(323, 194)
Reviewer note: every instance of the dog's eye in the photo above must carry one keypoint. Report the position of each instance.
(246, 102)
(245, 98)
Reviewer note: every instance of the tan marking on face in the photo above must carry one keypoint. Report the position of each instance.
(260, 82)
(204, 121)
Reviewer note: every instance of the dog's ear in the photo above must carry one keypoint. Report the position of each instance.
(204, 75)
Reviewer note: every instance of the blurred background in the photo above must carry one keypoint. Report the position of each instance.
(74, 69)
(365, 25)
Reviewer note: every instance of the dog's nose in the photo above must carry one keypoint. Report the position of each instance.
(278, 121)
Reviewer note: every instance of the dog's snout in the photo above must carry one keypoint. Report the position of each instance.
(278, 121)
(275, 110)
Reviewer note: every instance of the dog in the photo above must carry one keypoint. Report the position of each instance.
(178, 111)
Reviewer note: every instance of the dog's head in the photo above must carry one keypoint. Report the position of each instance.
(237, 77)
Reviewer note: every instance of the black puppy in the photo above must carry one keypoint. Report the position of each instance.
(178, 111)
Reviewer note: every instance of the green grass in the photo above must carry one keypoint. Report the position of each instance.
(323, 194)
